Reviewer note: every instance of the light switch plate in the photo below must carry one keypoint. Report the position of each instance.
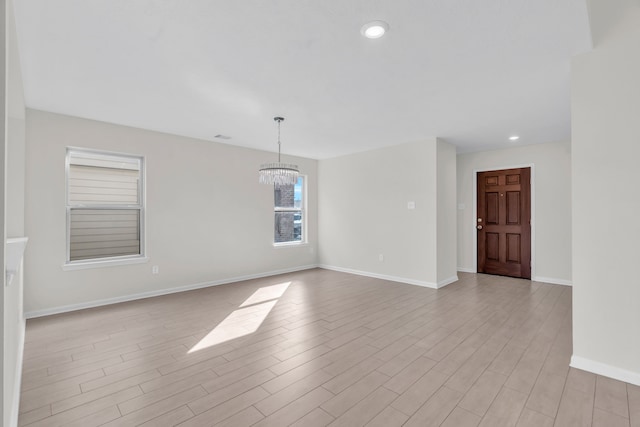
(411, 205)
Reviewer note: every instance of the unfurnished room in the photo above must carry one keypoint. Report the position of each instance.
(320, 213)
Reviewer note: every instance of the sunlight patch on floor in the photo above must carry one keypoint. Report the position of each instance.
(266, 293)
(246, 319)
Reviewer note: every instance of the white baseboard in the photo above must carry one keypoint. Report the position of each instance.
(542, 279)
(605, 370)
(447, 281)
(552, 280)
(15, 409)
(390, 278)
(108, 301)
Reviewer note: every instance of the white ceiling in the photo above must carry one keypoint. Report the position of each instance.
(472, 72)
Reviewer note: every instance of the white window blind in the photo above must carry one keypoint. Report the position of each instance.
(104, 205)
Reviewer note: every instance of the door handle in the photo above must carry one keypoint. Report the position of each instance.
(479, 227)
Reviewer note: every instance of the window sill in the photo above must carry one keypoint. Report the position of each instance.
(114, 262)
(290, 244)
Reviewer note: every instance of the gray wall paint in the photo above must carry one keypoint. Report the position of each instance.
(207, 218)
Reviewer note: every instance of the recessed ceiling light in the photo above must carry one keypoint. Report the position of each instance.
(514, 138)
(374, 29)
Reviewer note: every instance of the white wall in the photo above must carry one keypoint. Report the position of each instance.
(605, 105)
(551, 212)
(207, 217)
(13, 317)
(446, 212)
(3, 185)
(363, 213)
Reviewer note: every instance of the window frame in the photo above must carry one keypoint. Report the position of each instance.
(303, 217)
(140, 207)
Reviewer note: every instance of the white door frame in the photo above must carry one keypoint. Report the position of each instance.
(533, 212)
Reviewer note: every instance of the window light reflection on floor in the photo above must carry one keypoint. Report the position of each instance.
(246, 319)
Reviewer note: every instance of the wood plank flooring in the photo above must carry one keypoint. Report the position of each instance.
(319, 348)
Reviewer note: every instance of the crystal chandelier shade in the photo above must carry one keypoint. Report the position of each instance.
(278, 173)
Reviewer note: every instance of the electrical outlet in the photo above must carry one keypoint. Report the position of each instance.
(380, 257)
(155, 269)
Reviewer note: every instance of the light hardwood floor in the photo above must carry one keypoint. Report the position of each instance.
(319, 348)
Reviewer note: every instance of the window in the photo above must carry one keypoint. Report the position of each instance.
(289, 213)
(105, 208)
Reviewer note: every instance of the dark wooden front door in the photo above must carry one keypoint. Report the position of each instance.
(504, 222)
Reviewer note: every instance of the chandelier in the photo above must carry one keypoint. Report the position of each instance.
(278, 173)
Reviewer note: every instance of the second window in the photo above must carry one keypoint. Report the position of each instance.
(289, 213)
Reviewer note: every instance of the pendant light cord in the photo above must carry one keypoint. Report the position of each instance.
(278, 119)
